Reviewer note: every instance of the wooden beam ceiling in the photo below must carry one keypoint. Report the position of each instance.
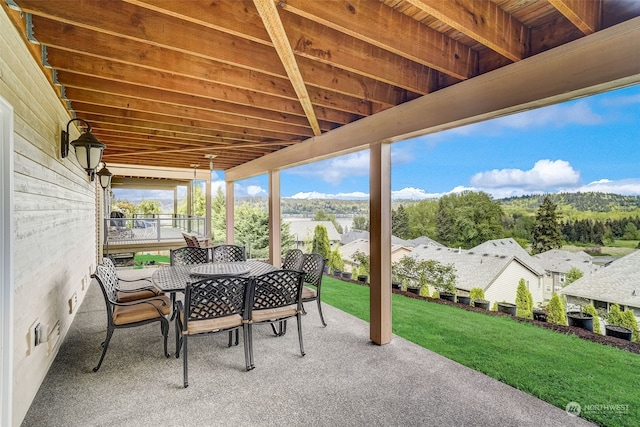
(166, 83)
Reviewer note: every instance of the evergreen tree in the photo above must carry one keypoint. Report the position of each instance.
(400, 223)
(218, 217)
(320, 242)
(476, 294)
(590, 309)
(556, 311)
(524, 301)
(546, 231)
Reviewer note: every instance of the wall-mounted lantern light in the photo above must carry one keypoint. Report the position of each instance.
(87, 148)
(104, 176)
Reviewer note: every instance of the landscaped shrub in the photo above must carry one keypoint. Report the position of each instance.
(556, 311)
(476, 293)
(524, 301)
(494, 307)
(596, 318)
(625, 319)
(632, 323)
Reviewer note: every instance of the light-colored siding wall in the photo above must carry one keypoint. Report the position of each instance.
(54, 216)
(505, 286)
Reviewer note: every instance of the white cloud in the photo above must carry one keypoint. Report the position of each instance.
(545, 175)
(627, 187)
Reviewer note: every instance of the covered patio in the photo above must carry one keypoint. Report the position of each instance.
(343, 380)
(256, 87)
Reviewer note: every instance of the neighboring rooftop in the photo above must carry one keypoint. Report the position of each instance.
(618, 282)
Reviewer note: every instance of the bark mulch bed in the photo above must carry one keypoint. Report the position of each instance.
(579, 332)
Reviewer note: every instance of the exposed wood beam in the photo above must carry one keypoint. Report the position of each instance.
(98, 53)
(293, 124)
(307, 38)
(371, 22)
(483, 21)
(605, 60)
(269, 14)
(584, 14)
(178, 124)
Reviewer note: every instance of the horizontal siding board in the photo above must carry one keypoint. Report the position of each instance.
(54, 213)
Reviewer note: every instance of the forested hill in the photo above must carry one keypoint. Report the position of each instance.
(566, 202)
(594, 202)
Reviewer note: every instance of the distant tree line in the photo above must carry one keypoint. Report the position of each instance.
(597, 232)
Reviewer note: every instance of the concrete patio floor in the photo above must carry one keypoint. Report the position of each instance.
(344, 380)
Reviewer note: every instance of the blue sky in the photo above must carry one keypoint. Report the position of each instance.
(589, 144)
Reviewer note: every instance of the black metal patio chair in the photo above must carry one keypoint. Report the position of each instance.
(313, 268)
(131, 294)
(228, 253)
(293, 260)
(129, 314)
(189, 255)
(274, 298)
(212, 305)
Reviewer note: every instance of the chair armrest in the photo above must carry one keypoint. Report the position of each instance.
(150, 288)
(142, 279)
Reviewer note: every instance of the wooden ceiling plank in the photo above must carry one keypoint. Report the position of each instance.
(156, 29)
(96, 84)
(202, 127)
(271, 20)
(240, 18)
(376, 23)
(484, 22)
(586, 15)
(92, 52)
(135, 104)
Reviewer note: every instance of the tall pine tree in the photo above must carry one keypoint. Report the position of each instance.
(547, 233)
(400, 223)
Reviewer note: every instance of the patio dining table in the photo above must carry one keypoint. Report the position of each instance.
(174, 278)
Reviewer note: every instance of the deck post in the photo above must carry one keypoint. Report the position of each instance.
(380, 243)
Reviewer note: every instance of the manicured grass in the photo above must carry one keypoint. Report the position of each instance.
(143, 259)
(554, 367)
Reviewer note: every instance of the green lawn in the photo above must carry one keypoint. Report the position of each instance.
(554, 367)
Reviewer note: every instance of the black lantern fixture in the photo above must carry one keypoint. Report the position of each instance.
(87, 148)
(104, 176)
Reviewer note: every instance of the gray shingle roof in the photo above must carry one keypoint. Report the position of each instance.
(352, 235)
(619, 282)
(473, 269)
(510, 247)
(560, 261)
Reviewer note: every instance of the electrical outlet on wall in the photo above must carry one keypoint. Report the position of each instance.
(73, 303)
(32, 336)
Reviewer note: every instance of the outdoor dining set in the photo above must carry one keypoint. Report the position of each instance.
(207, 290)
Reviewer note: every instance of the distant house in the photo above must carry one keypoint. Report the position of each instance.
(498, 274)
(362, 245)
(302, 232)
(617, 283)
(558, 263)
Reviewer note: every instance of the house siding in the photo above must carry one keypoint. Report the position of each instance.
(54, 217)
(506, 284)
